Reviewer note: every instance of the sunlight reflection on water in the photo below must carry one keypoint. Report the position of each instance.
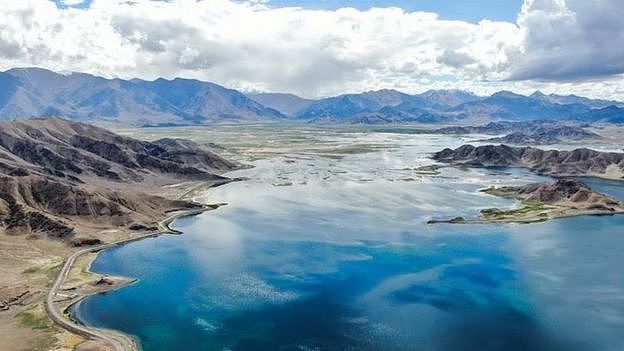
(342, 260)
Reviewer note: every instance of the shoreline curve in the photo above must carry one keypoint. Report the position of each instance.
(117, 339)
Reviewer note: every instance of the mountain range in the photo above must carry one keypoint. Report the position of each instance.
(70, 180)
(28, 92)
(36, 92)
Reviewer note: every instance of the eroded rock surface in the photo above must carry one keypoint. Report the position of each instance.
(57, 174)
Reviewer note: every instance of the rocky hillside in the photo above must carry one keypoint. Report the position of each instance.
(547, 135)
(564, 192)
(543, 201)
(60, 178)
(579, 162)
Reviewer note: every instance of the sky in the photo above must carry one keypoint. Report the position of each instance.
(464, 10)
(323, 48)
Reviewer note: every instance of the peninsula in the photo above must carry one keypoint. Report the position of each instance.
(544, 201)
(578, 162)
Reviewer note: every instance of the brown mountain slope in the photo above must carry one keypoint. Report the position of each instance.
(541, 201)
(62, 148)
(565, 192)
(579, 162)
(60, 178)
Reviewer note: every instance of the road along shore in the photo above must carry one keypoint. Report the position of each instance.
(117, 340)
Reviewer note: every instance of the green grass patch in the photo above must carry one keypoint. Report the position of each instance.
(500, 192)
(36, 318)
(53, 272)
(524, 210)
(30, 270)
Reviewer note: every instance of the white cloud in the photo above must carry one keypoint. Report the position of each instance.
(571, 39)
(247, 45)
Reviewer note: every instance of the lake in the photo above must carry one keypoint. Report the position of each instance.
(325, 247)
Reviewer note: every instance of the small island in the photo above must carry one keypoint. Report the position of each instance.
(544, 201)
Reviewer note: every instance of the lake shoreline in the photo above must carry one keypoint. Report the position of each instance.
(531, 220)
(69, 321)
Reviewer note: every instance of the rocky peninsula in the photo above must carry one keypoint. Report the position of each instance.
(578, 162)
(544, 201)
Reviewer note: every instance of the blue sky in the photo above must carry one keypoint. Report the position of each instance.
(72, 3)
(466, 10)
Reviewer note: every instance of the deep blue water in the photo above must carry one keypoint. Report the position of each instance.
(338, 262)
(613, 188)
(549, 286)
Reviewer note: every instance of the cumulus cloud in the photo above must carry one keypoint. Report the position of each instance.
(249, 45)
(571, 39)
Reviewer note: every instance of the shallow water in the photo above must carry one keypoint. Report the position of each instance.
(343, 260)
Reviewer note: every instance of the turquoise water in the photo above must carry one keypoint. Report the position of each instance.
(338, 261)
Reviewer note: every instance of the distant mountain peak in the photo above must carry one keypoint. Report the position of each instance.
(382, 91)
(37, 92)
(286, 103)
(508, 94)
